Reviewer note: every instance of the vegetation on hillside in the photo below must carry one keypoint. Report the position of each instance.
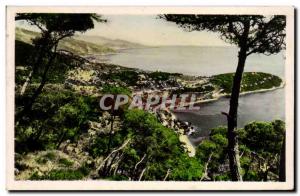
(251, 81)
(75, 46)
(64, 135)
(252, 34)
(260, 146)
(115, 44)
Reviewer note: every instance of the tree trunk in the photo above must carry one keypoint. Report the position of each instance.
(110, 133)
(233, 148)
(61, 139)
(39, 57)
(142, 174)
(205, 173)
(167, 175)
(103, 163)
(265, 178)
(136, 165)
(28, 106)
(27, 81)
(282, 175)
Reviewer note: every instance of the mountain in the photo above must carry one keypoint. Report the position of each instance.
(112, 43)
(79, 47)
(25, 35)
(82, 44)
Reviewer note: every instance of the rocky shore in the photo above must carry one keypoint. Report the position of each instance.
(183, 129)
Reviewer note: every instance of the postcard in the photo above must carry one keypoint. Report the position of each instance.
(150, 98)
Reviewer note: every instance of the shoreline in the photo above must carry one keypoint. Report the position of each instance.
(180, 130)
(191, 149)
(219, 96)
(174, 123)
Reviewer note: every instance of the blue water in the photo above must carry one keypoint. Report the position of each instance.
(265, 106)
(206, 61)
(192, 60)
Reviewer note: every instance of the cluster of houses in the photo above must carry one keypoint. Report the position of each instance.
(146, 82)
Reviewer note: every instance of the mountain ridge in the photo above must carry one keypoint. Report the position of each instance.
(82, 44)
(113, 43)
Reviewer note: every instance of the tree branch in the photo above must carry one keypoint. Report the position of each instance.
(142, 174)
(112, 152)
(205, 174)
(167, 174)
(139, 161)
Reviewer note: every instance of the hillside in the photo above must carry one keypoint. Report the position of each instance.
(78, 47)
(82, 44)
(112, 43)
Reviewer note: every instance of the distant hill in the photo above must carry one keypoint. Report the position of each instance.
(76, 46)
(112, 43)
(25, 35)
(82, 44)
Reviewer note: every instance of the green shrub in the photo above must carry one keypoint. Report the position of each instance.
(162, 147)
(251, 81)
(127, 76)
(65, 162)
(162, 76)
(50, 156)
(259, 144)
(63, 174)
(55, 117)
(264, 136)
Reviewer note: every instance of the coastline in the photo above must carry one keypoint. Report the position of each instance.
(173, 123)
(218, 96)
(186, 141)
(184, 138)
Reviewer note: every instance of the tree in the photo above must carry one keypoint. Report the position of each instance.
(155, 152)
(53, 28)
(282, 174)
(114, 90)
(252, 34)
(260, 145)
(264, 141)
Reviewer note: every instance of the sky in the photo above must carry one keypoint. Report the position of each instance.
(150, 30)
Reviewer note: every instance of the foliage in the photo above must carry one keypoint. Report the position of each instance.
(115, 90)
(161, 148)
(162, 76)
(251, 81)
(127, 76)
(252, 34)
(199, 89)
(260, 145)
(24, 58)
(215, 149)
(61, 174)
(53, 28)
(50, 156)
(264, 137)
(55, 118)
(61, 22)
(154, 149)
(266, 34)
(65, 162)
(99, 145)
